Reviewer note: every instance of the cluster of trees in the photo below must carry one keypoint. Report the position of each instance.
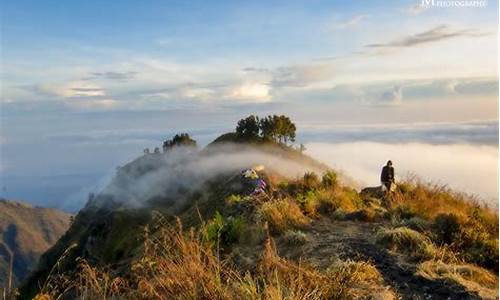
(279, 129)
(273, 128)
(182, 139)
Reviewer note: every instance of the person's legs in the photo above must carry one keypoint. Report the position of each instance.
(387, 194)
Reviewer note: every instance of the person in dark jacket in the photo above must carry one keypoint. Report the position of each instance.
(387, 176)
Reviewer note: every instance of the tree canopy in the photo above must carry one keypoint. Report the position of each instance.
(279, 129)
(182, 139)
(249, 127)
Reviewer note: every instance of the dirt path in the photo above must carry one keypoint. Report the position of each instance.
(355, 240)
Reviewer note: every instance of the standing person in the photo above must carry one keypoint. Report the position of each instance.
(387, 176)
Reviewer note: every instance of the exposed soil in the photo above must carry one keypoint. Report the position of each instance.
(331, 240)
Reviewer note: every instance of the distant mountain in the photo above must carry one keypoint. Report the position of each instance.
(28, 232)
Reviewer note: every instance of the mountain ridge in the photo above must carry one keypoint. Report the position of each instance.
(27, 231)
(156, 195)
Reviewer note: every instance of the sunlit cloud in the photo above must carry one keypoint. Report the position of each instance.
(251, 91)
(72, 89)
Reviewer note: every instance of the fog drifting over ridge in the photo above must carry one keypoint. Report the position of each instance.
(174, 175)
(472, 169)
(84, 161)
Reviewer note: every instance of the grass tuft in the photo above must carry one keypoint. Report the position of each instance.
(282, 215)
(406, 240)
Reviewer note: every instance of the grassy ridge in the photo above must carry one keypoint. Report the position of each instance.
(146, 253)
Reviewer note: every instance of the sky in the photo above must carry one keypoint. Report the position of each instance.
(86, 85)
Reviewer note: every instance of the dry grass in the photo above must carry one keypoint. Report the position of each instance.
(429, 200)
(406, 240)
(455, 218)
(469, 276)
(326, 201)
(282, 215)
(179, 265)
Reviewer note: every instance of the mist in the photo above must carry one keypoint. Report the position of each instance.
(181, 171)
(472, 169)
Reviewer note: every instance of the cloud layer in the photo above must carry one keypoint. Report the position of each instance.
(436, 34)
(466, 168)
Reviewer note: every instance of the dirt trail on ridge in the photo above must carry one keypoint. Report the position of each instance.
(331, 240)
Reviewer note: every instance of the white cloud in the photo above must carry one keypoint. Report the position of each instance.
(199, 93)
(73, 89)
(352, 22)
(432, 35)
(467, 168)
(251, 91)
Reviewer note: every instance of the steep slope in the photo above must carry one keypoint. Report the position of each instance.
(309, 235)
(28, 232)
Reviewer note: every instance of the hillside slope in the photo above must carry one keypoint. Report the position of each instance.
(27, 231)
(187, 224)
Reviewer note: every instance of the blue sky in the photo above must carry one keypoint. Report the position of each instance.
(87, 84)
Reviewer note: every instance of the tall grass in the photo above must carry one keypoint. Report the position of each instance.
(179, 265)
(453, 219)
(282, 215)
(429, 200)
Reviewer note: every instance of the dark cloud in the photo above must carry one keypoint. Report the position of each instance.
(393, 96)
(256, 70)
(112, 75)
(436, 34)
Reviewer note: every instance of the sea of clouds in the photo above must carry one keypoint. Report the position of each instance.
(469, 168)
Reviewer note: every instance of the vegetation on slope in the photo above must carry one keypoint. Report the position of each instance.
(240, 245)
(209, 259)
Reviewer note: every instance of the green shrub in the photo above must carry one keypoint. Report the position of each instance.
(326, 204)
(223, 231)
(416, 223)
(235, 199)
(404, 212)
(329, 179)
(446, 228)
(482, 252)
(308, 202)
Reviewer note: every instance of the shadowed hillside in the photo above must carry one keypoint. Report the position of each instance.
(27, 231)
